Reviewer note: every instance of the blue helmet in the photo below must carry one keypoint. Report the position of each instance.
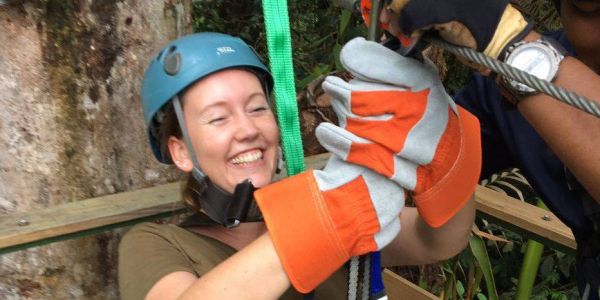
(183, 62)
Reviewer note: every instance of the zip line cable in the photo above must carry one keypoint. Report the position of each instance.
(532, 81)
(540, 85)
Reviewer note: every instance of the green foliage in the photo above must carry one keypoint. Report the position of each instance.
(318, 28)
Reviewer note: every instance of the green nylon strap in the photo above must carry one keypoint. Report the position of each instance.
(280, 57)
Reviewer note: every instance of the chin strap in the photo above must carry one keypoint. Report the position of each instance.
(223, 208)
(227, 209)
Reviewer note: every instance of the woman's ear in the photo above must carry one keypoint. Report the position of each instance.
(179, 154)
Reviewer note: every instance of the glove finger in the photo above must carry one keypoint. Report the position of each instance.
(338, 89)
(364, 100)
(355, 149)
(388, 198)
(387, 234)
(340, 92)
(405, 173)
(374, 62)
(337, 140)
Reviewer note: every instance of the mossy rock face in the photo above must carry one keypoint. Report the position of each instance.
(71, 127)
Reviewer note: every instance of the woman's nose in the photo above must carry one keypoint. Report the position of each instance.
(247, 128)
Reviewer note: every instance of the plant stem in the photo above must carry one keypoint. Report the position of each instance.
(530, 266)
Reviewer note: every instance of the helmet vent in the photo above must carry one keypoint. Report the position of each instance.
(172, 62)
(159, 55)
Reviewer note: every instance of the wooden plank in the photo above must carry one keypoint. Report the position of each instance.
(398, 287)
(125, 208)
(522, 216)
(87, 214)
(96, 214)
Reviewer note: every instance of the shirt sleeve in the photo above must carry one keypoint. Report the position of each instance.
(483, 99)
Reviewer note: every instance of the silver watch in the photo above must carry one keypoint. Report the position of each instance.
(540, 58)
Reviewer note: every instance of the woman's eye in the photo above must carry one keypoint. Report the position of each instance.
(259, 109)
(216, 120)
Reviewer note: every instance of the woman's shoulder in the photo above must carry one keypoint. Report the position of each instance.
(150, 251)
(153, 234)
(161, 239)
(148, 229)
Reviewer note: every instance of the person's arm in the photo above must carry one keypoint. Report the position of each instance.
(573, 135)
(419, 243)
(254, 272)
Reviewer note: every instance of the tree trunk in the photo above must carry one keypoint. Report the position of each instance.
(71, 127)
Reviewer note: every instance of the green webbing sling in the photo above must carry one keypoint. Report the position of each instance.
(280, 59)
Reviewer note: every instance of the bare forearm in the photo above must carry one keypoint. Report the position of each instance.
(418, 243)
(573, 135)
(254, 272)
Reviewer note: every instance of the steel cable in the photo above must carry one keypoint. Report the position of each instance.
(534, 82)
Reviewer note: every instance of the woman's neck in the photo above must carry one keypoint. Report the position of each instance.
(237, 237)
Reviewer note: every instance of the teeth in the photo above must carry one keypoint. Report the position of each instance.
(247, 157)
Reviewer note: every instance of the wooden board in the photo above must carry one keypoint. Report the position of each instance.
(103, 213)
(398, 287)
(88, 214)
(524, 217)
(71, 220)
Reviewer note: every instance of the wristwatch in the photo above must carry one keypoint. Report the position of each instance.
(540, 58)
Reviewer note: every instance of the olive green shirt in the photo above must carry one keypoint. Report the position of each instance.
(151, 251)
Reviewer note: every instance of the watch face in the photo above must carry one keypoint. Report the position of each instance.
(534, 58)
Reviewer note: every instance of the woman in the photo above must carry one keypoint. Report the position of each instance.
(215, 86)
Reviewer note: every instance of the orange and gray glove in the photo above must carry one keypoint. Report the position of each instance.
(317, 220)
(397, 120)
(487, 26)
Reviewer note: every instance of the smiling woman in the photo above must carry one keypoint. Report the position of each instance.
(206, 102)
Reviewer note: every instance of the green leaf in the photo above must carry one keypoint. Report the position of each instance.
(460, 289)
(344, 21)
(547, 266)
(478, 249)
(481, 296)
(336, 54)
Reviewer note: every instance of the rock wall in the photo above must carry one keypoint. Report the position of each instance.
(71, 127)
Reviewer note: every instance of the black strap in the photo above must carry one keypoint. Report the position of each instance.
(221, 207)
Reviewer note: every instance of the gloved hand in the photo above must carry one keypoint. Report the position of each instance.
(488, 26)
(317, 220)
(397, 120)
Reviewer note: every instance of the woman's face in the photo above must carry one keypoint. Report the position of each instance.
(232, 129)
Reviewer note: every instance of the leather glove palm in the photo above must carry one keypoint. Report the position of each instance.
(485, 25)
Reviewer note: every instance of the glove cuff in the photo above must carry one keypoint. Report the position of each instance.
(440, 202)
(511, 25)
(314, 232)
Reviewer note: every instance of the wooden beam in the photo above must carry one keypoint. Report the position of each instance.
(70, 218)
(398, 287)
(524, 218)
(22, 230)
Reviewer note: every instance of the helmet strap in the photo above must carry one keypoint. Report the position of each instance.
(196, 171)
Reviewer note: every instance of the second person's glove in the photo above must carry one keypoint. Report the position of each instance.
(485, 25)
